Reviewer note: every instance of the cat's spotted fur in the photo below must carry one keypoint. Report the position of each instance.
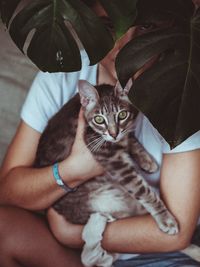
(121, 191)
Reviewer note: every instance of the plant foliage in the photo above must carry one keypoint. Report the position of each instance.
(169, 91)
(55, 26)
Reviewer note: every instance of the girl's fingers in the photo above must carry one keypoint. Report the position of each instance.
(81, 125)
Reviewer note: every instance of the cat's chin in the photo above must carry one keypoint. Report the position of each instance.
(111, 139)
(115, 141)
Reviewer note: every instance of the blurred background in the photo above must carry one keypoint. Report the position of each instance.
(16, 75)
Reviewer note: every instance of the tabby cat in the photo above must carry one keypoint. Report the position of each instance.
(121, 191)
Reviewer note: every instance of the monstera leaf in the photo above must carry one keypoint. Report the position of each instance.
(122, 14)
(7, 9)
(53, 27)
(168, 92)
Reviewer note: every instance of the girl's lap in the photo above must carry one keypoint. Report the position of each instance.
(25, 237)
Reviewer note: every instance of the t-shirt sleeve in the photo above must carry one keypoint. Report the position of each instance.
(156, 144)
(41, 102)
(49, 92)
(191, 143)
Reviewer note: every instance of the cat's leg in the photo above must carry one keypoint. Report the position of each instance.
(141, 156)
(136, 186)
(123, 170)
(93, 254)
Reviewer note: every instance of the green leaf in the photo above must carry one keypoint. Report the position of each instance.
(121, 13)
(7, 8)
(168, 93)
(157, 11)
(57, 29)
(53, 47)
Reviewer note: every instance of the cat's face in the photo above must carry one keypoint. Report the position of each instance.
(113, 121)
(109, 112)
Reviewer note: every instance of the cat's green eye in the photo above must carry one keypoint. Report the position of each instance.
(122, 115)
(99, 119)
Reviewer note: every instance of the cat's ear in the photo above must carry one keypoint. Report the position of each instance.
(88, 94)
(123, 92)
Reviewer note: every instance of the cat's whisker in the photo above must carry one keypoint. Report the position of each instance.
(97, 145)
(93, 148)
(93, 137)
(90, 141)
(100, 145)
(94, 142)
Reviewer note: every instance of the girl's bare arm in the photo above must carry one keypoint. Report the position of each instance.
(180, 190)
(35, 189)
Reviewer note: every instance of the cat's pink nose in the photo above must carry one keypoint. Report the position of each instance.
(113, 134)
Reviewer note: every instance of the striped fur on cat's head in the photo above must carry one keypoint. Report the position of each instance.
(107, 109)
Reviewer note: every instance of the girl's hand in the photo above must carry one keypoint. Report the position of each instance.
(65, 232)
(80, 165)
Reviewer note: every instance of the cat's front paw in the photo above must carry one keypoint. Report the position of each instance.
(167, 223)
(149, 165)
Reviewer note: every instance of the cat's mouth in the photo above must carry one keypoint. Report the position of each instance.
(115, 140)
(112, 139)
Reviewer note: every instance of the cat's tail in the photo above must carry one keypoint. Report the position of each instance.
(93, 254)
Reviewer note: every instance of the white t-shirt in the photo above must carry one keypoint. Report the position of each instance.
(49, 92)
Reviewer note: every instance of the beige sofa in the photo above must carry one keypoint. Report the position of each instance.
(16, 74)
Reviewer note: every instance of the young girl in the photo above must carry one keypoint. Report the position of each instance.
(26, 238)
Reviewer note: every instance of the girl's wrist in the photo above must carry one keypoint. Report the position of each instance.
(67, 172)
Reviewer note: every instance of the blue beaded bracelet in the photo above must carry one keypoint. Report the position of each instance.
(59, 180)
